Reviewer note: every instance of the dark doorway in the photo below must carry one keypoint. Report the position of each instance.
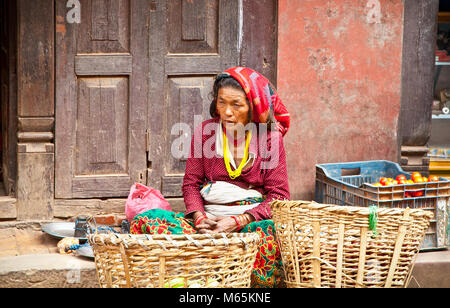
(8, 96)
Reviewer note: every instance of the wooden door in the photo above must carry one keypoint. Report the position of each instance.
(101, 97)
(191, 41)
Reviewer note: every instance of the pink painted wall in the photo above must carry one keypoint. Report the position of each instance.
(339, 75)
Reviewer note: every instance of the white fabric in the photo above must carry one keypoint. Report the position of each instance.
(219, 193)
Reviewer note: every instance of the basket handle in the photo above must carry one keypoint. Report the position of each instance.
(125, 265)
(398, 245)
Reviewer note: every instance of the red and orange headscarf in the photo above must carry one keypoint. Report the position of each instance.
(262, 96)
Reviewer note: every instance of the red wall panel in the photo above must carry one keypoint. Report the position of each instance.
(339, 74)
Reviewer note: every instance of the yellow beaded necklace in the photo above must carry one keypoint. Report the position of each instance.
(235, 173)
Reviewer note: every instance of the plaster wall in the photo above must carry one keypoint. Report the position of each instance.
(339, 75)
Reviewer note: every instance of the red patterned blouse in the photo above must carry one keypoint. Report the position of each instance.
(268, 173)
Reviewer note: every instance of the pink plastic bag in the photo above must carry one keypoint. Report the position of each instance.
(142, 199)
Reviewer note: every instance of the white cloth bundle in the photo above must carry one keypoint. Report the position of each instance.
(219, 193)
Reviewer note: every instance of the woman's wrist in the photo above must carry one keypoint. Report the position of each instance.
(198, 218)
(242, 220)
(197, 214)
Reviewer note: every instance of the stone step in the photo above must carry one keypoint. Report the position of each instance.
(47, 271)
(431, 270)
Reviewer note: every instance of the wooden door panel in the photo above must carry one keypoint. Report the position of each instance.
(86, 65)
(102, 139)
(193, 26)
(106, 25)
(187, 98)
(101, 98)
(196, 40)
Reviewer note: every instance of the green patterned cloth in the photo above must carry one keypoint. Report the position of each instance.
(267, 270)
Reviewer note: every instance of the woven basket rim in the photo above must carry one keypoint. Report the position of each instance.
(346, 209)
(174, 240)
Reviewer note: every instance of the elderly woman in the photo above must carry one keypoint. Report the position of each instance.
(236, 167)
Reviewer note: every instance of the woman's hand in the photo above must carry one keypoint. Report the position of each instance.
(202, 223)
(223, 225)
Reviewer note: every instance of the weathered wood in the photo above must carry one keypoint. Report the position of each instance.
(35, 136)
(419, 41)
(66, 208)
(101, 186)
(103, 65)
(8, 90)
(35, 186)
(101, 98)
(197, 32)
(229, 33)
(35, 60)
(36, 147)
(158, 31)
(65, 46)
(171, 186)
(182, 70)
(189, 65)
(41, 124)
(106, 26)
(187, 96)
(193, 26)
(259, 37)
(8, 208)
(35, 75)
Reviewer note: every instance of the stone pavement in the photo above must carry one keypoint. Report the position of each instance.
(431, 270)
(29, 258)
(47, 271)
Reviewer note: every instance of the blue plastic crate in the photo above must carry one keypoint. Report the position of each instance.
(351, 184)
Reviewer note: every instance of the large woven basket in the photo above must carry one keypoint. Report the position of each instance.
(158, 261)
(332, 246)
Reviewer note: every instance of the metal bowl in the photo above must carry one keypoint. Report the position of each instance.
(61, 229)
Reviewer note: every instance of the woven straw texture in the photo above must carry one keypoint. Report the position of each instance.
(158, 261)
(331, 246)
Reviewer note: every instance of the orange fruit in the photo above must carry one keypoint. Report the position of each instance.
(433, 178)
(383, 181)
(418, 180)
(415, 174)
(418, 193)
(400, 177)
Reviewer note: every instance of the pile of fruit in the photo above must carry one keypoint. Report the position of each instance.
(401, 179)
(416, 178)
(182, 283)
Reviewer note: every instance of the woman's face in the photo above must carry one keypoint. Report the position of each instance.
(232, 108)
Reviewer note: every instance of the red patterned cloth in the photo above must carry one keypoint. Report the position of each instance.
(262, 95)
(268, 174)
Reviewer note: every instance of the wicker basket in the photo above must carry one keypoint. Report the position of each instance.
(155, 261)
(331, 246)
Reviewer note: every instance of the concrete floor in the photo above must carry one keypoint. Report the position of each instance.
(431, 270)
(29, 258)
